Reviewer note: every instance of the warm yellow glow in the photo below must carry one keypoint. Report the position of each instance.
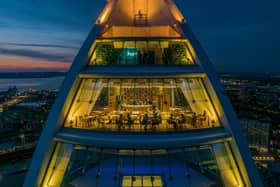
(135, 13)
(175, 11)
(235, 170)
(131, 31)
(105, 13)
(99, 103)
(200, 95)
(158, 47)
(192, 52)
(145, 181)
(58, 166)
(12, 63)
(118, 45)
(227, 166)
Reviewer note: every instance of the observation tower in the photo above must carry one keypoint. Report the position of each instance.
(142, 107)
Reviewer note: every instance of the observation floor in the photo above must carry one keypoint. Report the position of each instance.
(165, 172)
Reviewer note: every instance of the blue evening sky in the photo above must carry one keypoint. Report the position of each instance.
(238, 35)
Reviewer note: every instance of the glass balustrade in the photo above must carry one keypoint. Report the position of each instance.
(77, 165)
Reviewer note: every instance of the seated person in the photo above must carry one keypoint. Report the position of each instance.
(154, 121)
(182, 119)
(129, 120)
(100, 121)
(171, 120)
(110, 120)
(145, 121)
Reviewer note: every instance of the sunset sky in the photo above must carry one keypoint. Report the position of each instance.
(45, 35)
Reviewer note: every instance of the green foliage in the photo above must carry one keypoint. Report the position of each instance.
(175, 54)
(106, 54)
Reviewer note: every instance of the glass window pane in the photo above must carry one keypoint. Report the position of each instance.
(79, 165)
(142, 105)
(177, 52)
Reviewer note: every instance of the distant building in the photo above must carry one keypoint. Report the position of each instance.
(257, 133)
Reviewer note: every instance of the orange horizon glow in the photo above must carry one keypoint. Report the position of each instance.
(21, 63)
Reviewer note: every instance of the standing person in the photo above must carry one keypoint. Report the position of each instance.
(194, 120)
(172, 121)
(158, 116)
(120, 121)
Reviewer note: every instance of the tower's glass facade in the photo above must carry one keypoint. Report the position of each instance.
(141, 107)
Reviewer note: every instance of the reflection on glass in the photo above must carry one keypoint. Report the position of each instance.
(142, 52)
(58, 165)
(226, 163)
(142, 105)
(76, 165)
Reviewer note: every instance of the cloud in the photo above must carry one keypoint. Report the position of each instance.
(19, 63)
(37, 54)
(39, 45)
(55, 29)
